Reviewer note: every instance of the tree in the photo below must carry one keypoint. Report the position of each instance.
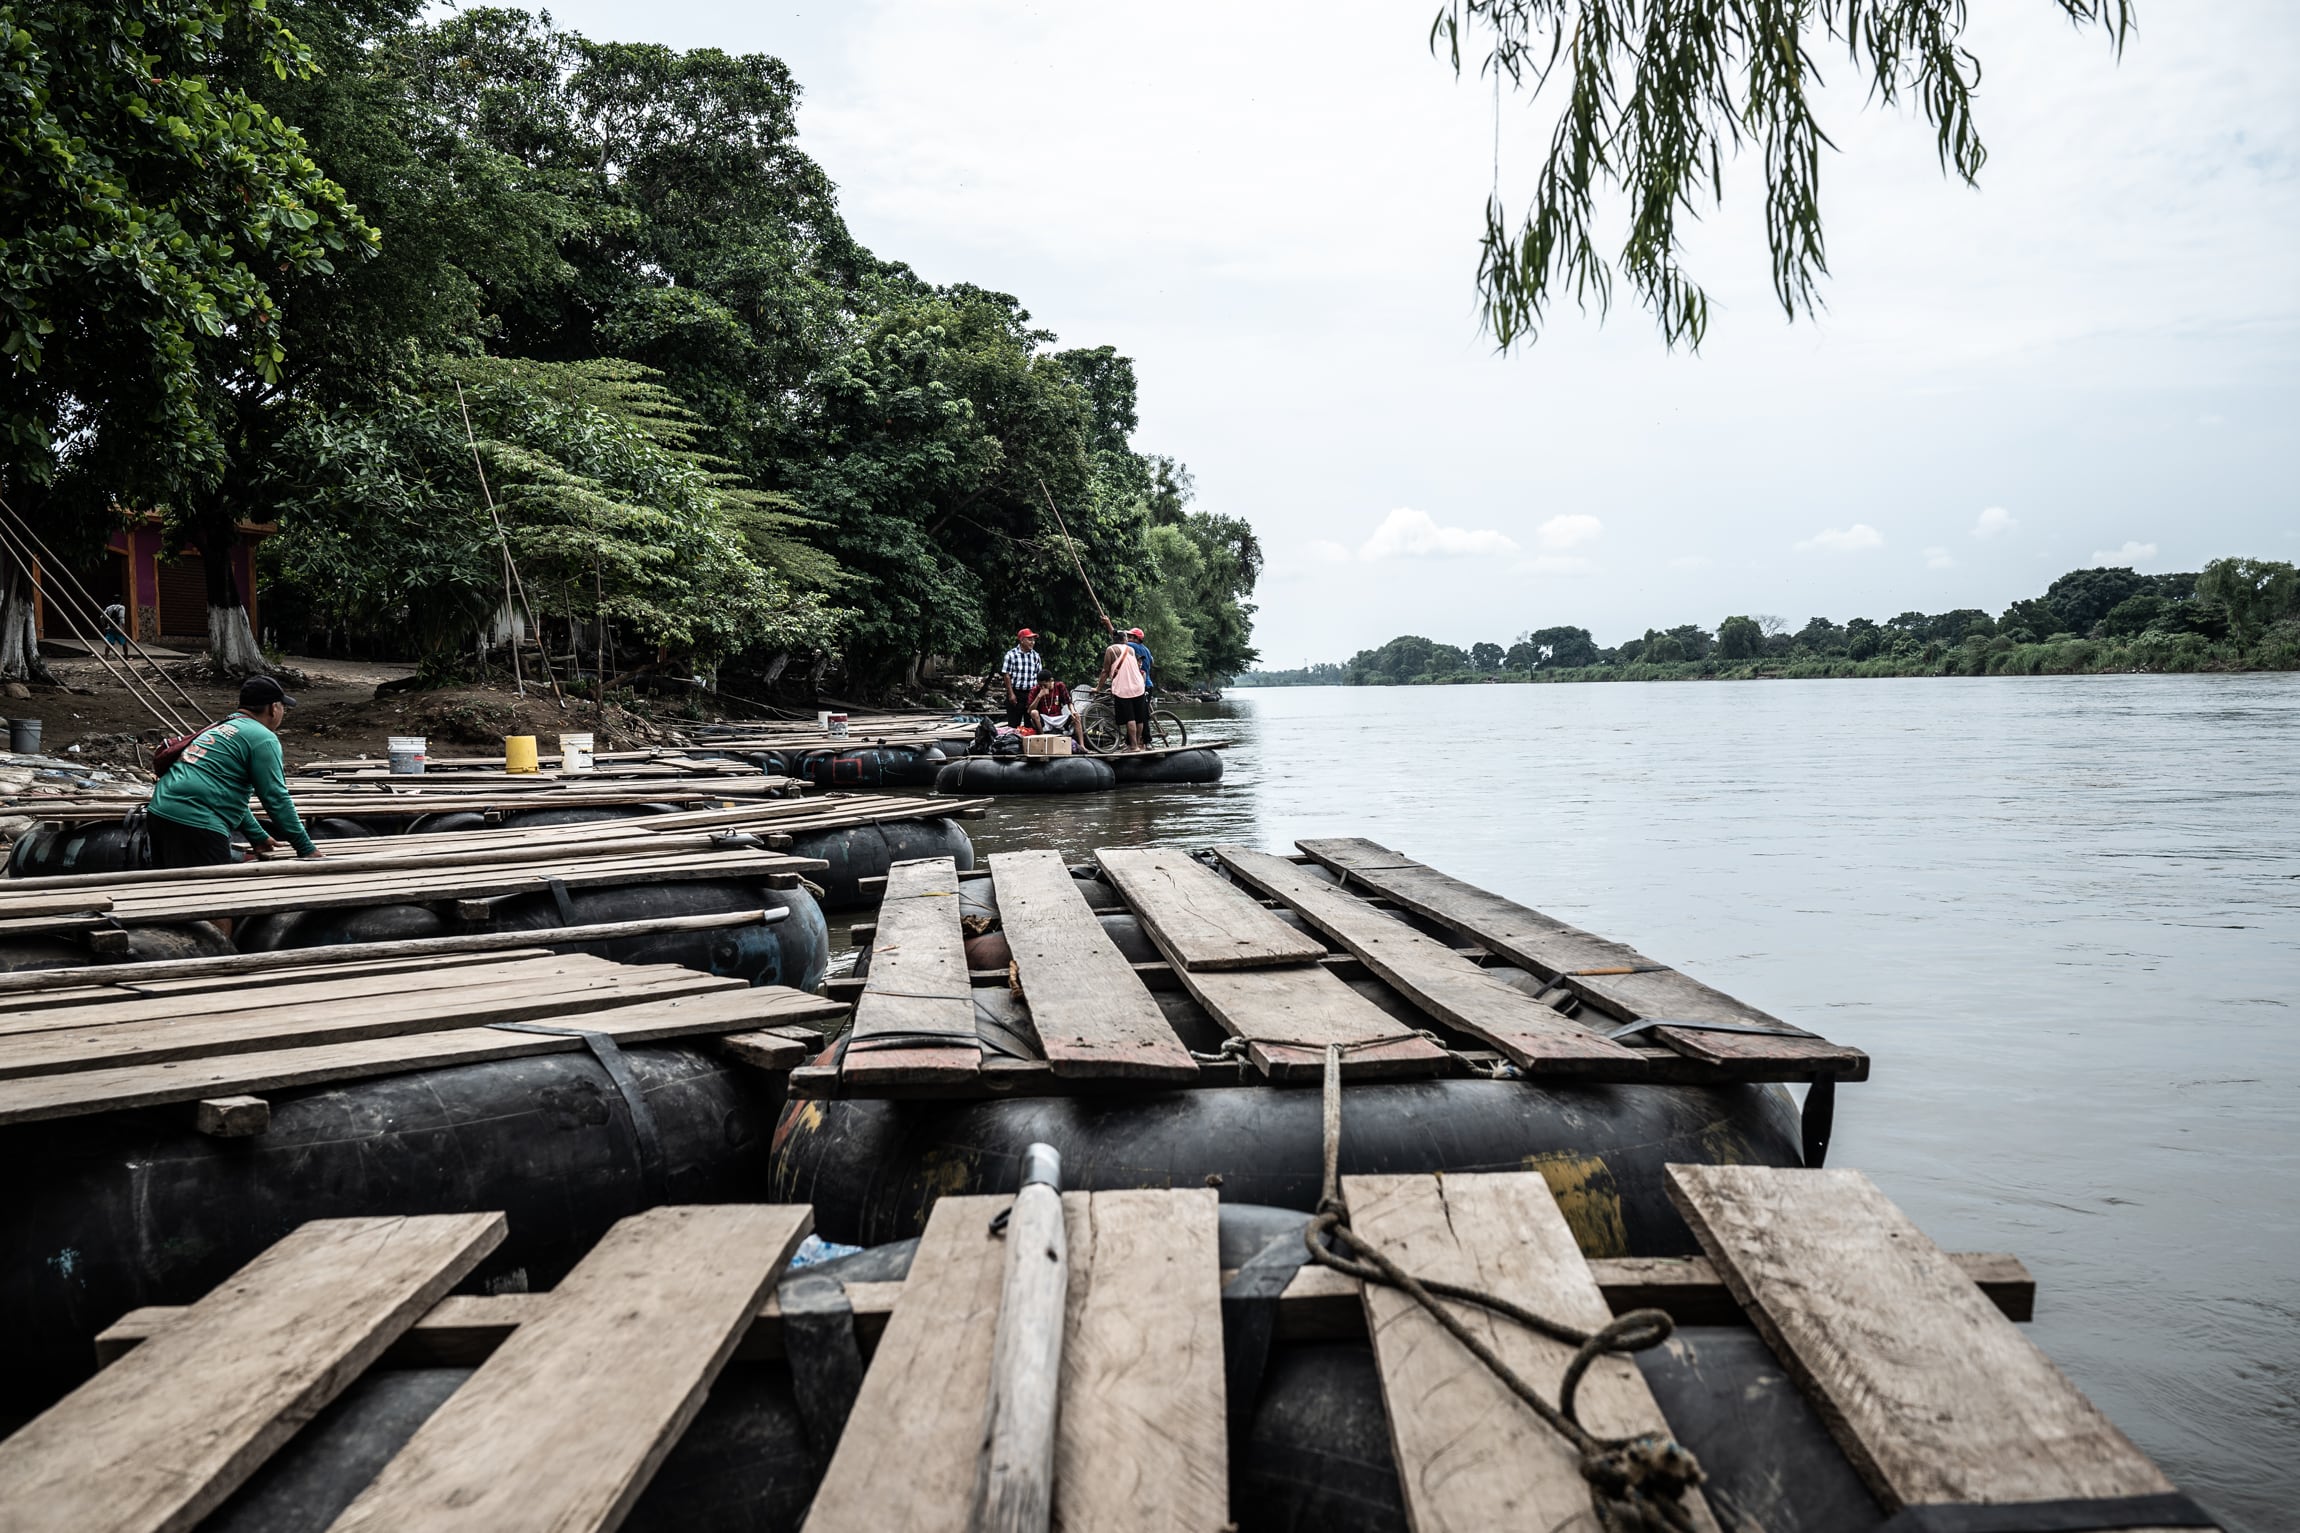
(147, 209)
(1485, 658)
(2083, 597)
(1819, 636)
(1863, 639)
(1560, 647)
(1656, 95)
(2253, 592)
(1739, 638)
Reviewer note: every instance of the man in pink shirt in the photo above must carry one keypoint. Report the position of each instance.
(1130, 697)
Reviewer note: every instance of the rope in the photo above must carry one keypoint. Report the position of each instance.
(1076, 563)
(1636, 1484)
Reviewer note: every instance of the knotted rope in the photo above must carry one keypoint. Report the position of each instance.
(1636, 1484)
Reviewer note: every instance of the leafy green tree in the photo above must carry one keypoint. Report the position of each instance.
(2254, 593)
(1819, 636)
(2030, 621)
(2082, 598)
(1864, 640)
(1662, 648)
(1693, 639)
(1485, 658)
(1658, 93)
(1739, 638)
(147, 208)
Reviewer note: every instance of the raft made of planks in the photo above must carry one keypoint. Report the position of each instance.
(1282, 992)
(1934, 1396)
(91, 1048)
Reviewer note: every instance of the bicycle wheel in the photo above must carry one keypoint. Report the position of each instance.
(1166, 731)
(1103, 732)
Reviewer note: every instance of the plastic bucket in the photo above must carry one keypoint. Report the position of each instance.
(822, 719)
(24, 736)
(575, 754)
(519, 754)
(837, 725)
(406, 754)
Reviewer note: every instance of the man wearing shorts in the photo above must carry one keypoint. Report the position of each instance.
(1129, 695)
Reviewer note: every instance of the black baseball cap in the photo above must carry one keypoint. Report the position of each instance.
(259, 692)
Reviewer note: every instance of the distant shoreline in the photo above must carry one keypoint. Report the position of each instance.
(2149, 654)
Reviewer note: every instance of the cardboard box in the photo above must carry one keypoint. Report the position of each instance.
(1046, 745)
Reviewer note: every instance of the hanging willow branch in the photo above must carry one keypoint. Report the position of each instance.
(1656, 95)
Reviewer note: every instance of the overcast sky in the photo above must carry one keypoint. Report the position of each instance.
(1273, 208)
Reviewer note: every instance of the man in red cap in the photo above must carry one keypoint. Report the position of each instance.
(1020, 668)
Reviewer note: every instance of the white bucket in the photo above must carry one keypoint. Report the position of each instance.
(822, 720)
(836, 724)
(575, 754)
(406, 754)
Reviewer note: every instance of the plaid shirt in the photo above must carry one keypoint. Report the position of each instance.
(1023, 665)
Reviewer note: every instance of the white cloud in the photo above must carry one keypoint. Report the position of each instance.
(2129, 554)
(1939, 559)
(1561, 532)
(1327, 551)
(1409, 534)
(1994, 522)
(1833, 540)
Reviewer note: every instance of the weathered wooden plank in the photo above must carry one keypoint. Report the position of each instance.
(155, 1442)
(562, 1428)
(546, 997)
(1471, 1456)
(1611, 977)
(1094, 1017)
(112, 1008)
(1142, 1446)
(1433, 976)
(1288, 1016)
(1200, 921)
(917, 985)
(36, 1097)
(907, 1458)
(1931, 1392)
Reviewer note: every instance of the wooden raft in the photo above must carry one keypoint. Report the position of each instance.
(109, 1047)
(1283, 957)
(580, 1393)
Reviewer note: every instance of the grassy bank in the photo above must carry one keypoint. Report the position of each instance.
(2148, 653)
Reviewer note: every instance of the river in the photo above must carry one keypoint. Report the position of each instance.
(2061, 913)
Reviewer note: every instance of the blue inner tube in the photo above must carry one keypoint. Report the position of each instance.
(1016, 774)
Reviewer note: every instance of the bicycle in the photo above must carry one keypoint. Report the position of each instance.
(1105, 736)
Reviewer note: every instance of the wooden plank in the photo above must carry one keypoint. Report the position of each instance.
(1142, 1446)
(1433, 976)
(907, 1458)
(1288, 1016)
(1199, 920)
(1470, 1455)
(1931, 1392)
(1611, 977)
(917, 984)
(1093, 1016)
(33, 1098)
(158, 1440)
(65, 1050)
(563, 1427)
(232, 1117)
(256, 995)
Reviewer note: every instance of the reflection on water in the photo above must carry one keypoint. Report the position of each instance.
(2062, 913)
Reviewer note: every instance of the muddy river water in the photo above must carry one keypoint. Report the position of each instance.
(2063, 915)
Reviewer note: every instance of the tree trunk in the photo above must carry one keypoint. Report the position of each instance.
(815, 672)
(19, 639)
(232, 647)
(775, 667)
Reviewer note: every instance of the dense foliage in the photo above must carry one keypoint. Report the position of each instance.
(719, 431)
(2235, 614)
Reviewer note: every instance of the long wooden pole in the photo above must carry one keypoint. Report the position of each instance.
(370, 952)
(510, 568)
(1076, 563)
(1014, 1483)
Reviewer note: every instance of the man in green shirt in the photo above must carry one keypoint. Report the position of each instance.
(203, 797)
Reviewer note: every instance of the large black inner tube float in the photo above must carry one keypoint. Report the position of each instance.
(872, 1168)
(146, 944)
(1311, 1455)
(1020, 774)
(1189, 766)
(856, 852)
(111, 1211)
(795, 951)
(101, 847)
(870, 766)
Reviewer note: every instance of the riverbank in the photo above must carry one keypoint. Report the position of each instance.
(2146, 654)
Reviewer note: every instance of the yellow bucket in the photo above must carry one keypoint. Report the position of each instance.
(519, 754)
